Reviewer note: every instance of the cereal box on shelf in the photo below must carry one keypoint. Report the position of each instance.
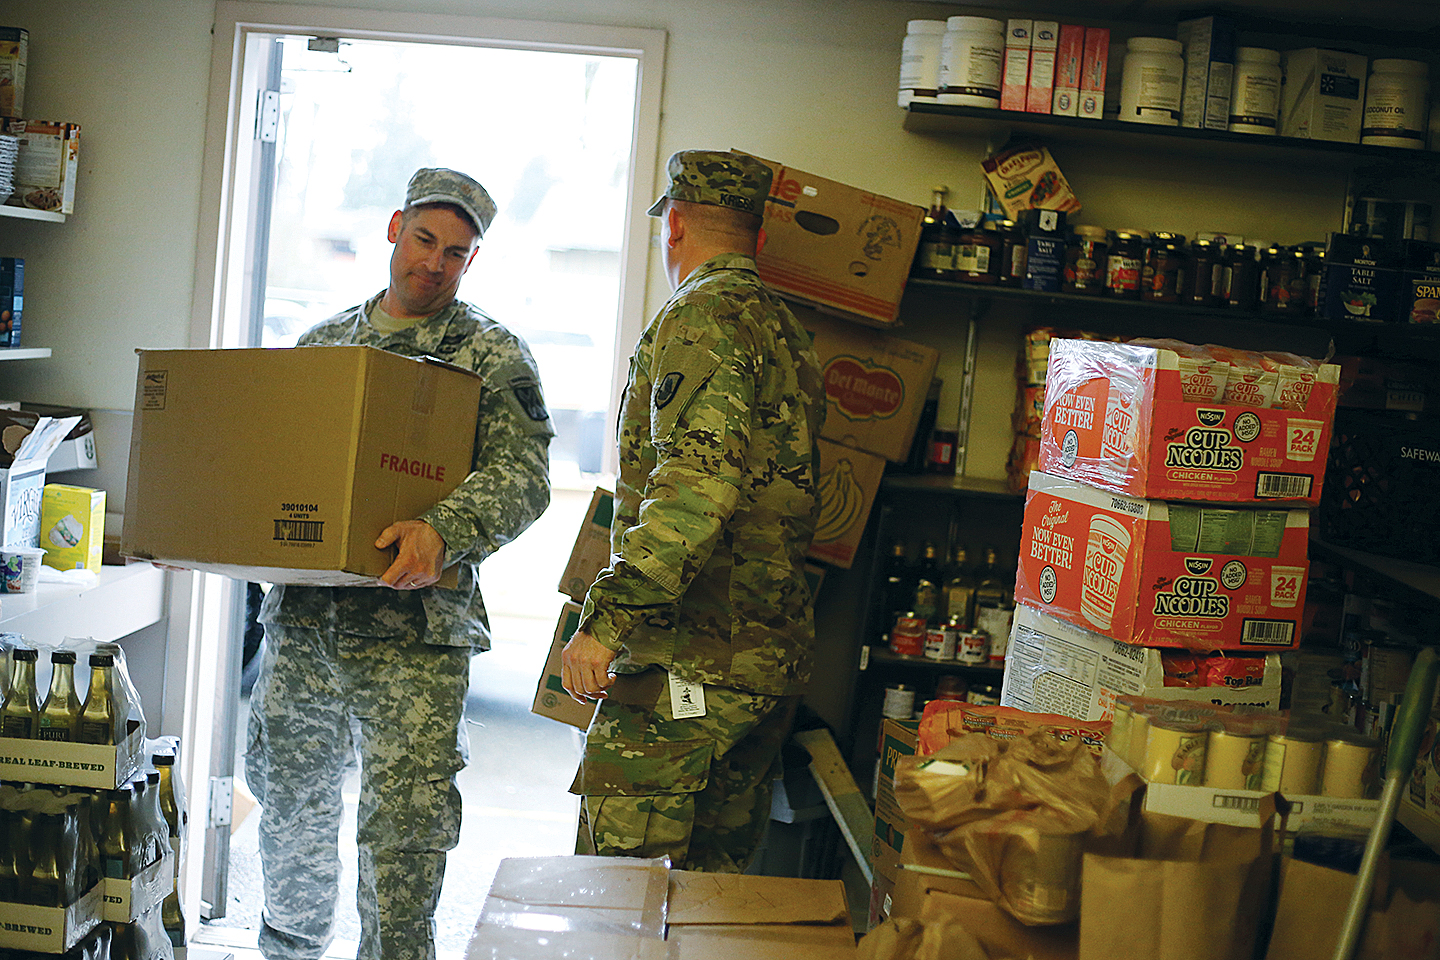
(1163, 574)
(1177, 422)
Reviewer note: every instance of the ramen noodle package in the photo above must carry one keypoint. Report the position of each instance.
(46, 165)
(1189, 423)
(1163, 575)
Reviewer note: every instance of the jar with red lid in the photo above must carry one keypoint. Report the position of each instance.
(1166, 264)
(1085, 258)
(1205, 278)
(1012, 253)
(977, 254)
(1123, 263)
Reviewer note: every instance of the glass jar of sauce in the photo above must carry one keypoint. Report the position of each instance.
(977, 254)
(1205, 276)
(1125, 260)
(1283, 281)
(1166, 264)
(1012, 253)
(1085, 259)
(1242, 278)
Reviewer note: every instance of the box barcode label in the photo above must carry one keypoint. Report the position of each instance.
(1242, 804)
(1283, 486)
(1277, 633)
(300, 531)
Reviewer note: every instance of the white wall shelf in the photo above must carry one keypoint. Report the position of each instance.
(127, 598)
(25, 353)
(25, 213)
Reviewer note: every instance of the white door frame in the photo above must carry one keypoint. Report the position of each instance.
(202, 608)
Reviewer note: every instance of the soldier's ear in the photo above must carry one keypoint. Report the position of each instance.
(675, 223)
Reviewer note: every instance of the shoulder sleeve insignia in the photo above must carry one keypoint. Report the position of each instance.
(527, 394)
(666, 389)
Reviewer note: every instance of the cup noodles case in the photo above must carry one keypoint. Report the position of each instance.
(1206, 577)
(1168, 420)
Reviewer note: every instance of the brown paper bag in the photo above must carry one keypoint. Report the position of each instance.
(1206, 908)
(1403, 922)
(1016, 815)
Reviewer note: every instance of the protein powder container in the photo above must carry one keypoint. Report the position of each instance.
(1151, 81)
(920, 61)
(1396, 104)
(970, 58)
(1255, 95)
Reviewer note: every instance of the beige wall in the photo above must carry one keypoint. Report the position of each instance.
(808, 82)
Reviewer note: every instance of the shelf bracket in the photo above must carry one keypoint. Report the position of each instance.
(979, 306)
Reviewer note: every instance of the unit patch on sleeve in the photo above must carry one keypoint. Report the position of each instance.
(666, 389)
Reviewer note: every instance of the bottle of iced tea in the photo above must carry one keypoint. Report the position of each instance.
(21, 711)
(60, 716)
(97, 717)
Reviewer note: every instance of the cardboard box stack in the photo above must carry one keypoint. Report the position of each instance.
(70, 792)
(875, 387)
(1166, 530)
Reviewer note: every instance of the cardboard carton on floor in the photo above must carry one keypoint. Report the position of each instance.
(591, 552)
(283, 466)
(629, 906)
(875, 384)
(1164, 574)
(551, 700)
(838, 247)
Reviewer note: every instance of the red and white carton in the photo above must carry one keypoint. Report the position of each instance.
(1068, 57)
(1015, 74)
(1092, 73)
(1043, 44)
(1148, 422)
(1139, 572)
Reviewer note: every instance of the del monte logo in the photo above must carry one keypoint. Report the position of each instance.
(862, 390)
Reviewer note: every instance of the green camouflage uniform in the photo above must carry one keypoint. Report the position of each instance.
(394, 664)
(715, 509)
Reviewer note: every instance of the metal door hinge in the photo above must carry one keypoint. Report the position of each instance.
(222, 800)
(267, 119)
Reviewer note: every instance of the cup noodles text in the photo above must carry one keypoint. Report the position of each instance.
(1188, 423)
(1205, 577)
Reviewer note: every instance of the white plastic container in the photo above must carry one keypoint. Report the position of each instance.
(1255, 95)
(1152, 81)
(920, 61)
(970, 60)
(1396, 104)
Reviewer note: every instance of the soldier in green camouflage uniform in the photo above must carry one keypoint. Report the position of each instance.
(698, 637)
(392, 663)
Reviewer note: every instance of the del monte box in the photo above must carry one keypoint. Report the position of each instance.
(875, 384)
(283, 466)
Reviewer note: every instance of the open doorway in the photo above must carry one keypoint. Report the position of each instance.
(557, 129)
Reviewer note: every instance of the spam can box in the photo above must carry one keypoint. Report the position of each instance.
(1163, 574)
(1188, 423)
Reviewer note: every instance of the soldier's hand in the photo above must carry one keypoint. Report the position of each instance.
(420, 554)
(585, 667)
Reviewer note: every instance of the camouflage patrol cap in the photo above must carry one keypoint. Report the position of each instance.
(441, 185)
(721, 178)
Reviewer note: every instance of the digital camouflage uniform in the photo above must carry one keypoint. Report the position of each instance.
(394, 665)
(715, 508)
